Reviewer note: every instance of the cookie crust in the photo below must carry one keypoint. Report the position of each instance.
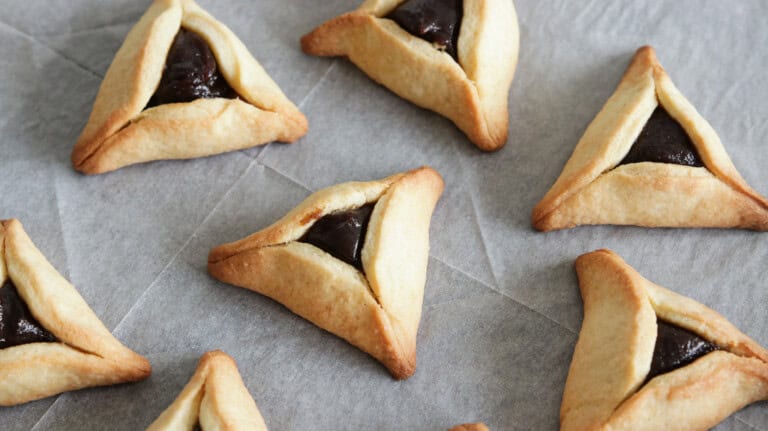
(605, 388)
(121, 132)
(593, 190)
(216, 397)
(470, 427)
(86, 354)
(379, 310)
(472, 93)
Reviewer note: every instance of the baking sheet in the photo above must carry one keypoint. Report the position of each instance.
(502, 309)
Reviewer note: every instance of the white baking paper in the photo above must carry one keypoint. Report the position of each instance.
(502, 309)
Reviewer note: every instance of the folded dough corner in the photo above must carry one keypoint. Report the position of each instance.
(357, 273)
(650, 159)
(650, 359)
(214, 399)
(50, 339)
(182, 86)
(454, 57)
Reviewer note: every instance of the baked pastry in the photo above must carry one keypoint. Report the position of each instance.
(214, 399)
(351, 258)
(454, 57)
(50, 340)
(650, 159)
(650, 359)
(470, 427)
(182, 86)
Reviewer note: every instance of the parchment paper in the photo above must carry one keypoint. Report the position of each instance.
(502, 309)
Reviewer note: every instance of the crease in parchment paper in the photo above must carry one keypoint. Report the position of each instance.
(304, 99)
(53, 51)
(101, 27)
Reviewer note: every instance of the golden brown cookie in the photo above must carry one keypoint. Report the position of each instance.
(239, 108)
(650, 359)
(470, 427)
(351, 258)
(614, 176)
(50, 340)
(215, 399)
(471, 89)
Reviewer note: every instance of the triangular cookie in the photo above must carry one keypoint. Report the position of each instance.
(624, 374)
(214, 399)
(606, 180)
(143, 110)
(456, 57)
(369, 286)
(50, 340)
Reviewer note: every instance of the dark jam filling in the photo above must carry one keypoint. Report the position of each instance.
(676, 348)
(436, 21)
(341, 234)
(17, 326)
(190, 73)
(663, 140)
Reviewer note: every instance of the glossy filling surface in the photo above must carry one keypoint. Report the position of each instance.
(17, 325)
(341, 234)
(675, 348)
(190, 73)
(436, 21)
(663, 140)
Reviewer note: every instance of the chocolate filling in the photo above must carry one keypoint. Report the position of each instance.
(436, 21)
(663, 140)
(341, 234)
(190, 73)
(676, 348)
(17, 325)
